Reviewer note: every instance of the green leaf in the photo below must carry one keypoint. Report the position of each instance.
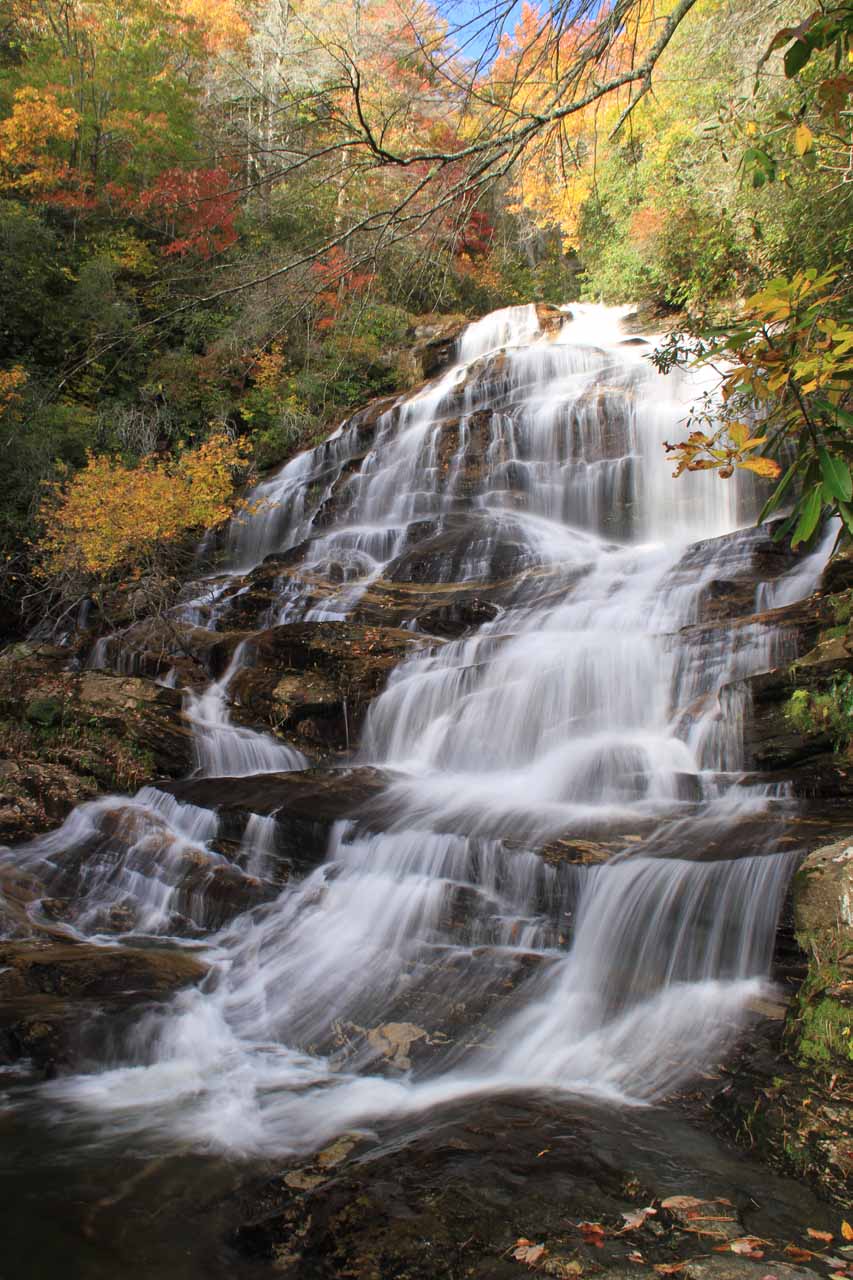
(796, 57)
(778, 493)
(846, 515)
(810, 512)
(785, 528)
(836, 476)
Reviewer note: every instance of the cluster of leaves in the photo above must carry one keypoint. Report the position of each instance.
(110, 517)
(826, 98)
(786, 365)
(831, 711)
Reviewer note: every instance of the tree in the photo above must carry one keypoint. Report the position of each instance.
(787, 360)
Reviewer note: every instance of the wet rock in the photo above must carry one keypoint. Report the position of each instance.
(316, 680)
(731, 1267)
(435, 344)
(783, 738)
(305, 805)
(154, 646)
(93, 731)
(52, 995)
(788, 1091)
(34, 796)
(497, 553)
(147, 714)
(82, 969)
(457, 1197)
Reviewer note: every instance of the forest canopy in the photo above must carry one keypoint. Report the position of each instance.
(227, 219)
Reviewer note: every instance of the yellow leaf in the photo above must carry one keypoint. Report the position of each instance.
(803, 139)
(761, 466)
(846, 1230)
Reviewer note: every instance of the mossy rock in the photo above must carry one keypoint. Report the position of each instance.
(44, 711)
(825, 1032)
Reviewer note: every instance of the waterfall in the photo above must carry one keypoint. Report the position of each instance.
(586, 707)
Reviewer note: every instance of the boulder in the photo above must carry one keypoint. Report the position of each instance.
(823, 898)
(56, 999)
(313, 681)
(305, 806)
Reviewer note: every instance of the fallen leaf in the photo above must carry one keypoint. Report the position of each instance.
(637, 1218)
(635, 1257)
(593, 1233)
(847, 1230)
(526, 1251)
(825, 1236)
(669, 1268)
(748, 1246)
(543, 1152)
(681, 1202)
(798, 1254)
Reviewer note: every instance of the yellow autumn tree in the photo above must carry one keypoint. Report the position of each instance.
(37, 122)
(112, 518)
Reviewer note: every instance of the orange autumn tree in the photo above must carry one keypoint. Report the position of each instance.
(551, 59)
(111, 519)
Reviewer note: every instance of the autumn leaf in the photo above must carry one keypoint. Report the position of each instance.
(747, 1246)
(527, 1252)
(680, 1203)
(846, 1230)
(825, 1236)
(765, 467)
(637, 1218)
(593, 1233)
(803, 139)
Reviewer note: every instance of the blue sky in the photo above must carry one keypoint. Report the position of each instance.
(477, 19)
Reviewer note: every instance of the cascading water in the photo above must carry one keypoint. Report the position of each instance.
(586, 707)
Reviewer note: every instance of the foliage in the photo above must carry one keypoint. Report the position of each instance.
(788, 364)
(112, 517)
(359, 170)
(814, 712)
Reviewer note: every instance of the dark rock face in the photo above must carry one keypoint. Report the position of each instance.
(459, 1197)
(53, 996)
(70, 734)
(313, 681)
(305, 805)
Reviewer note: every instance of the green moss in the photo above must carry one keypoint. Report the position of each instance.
(842, 606)
(825, 1032)
(44, 711)
(829, 711)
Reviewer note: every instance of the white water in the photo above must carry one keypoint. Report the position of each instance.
(224, 749)
(582, 709)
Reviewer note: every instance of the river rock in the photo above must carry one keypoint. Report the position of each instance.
(315, 680)
(53, 995)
